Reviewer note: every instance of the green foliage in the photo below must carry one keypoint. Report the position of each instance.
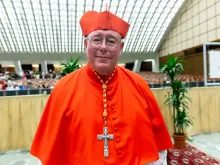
(172, 67)
(178, 98)
(70, 66)
(37, 72)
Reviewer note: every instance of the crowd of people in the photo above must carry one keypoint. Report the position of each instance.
(29, 80)
(35, 80)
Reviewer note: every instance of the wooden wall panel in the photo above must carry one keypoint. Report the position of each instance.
(8, 69)
(193, 65)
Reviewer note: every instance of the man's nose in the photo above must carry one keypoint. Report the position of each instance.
(103, 45)
(104, 42)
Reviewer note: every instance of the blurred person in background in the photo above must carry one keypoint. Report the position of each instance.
(10, 86)
(41, 85)
(15, 85)
(29, 85)
(3, 83)
(21, 86)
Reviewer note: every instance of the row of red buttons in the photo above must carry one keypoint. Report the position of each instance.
(115, 129)
(118, 140)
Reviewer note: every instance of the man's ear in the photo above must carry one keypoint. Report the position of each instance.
(121, 45)
(85, 44)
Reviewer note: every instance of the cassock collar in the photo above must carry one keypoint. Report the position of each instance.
(90, 73)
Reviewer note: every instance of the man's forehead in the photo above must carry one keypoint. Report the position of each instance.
(105, 33)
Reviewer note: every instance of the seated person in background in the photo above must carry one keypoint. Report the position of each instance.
(29, 85)
(42, 76)
(10, 86)
(21, 86)
(41, 85)
(15, 86)
(47, 76)
(3, 83)
(28, 75)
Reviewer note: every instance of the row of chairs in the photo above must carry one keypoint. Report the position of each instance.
(159, 78)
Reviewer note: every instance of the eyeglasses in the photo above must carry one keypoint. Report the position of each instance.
(110, 42)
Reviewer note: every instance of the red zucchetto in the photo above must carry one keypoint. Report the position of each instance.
(92, 20)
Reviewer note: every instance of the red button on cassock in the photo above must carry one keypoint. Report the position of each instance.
(113, 118)
(119, 152)
(112, 108)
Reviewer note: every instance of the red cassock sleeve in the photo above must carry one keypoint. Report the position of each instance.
(161, 134)
(53, 136)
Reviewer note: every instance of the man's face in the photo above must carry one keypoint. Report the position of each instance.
(103, 48)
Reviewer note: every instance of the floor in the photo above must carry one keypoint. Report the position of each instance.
(208, 143)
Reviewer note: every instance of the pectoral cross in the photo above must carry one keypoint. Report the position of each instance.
(105, 136)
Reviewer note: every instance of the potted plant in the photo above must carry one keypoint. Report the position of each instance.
(70, 66)
(178, 100)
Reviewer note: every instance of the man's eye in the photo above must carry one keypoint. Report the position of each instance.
(96, 40)
(111, 41)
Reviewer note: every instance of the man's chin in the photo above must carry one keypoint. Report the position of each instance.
(104, 68)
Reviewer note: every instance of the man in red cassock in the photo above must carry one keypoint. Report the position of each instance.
(102, 114)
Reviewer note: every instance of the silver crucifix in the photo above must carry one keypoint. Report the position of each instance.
(105, 136)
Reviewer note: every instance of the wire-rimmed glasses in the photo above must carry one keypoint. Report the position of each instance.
(110, 42)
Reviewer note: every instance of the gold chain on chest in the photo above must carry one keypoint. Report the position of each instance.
(104, 89)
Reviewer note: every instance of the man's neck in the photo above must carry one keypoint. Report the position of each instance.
(106, 76)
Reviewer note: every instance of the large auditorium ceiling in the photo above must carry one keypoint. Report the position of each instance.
(53, 25)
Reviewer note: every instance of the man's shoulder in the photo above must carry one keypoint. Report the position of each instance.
(69, 78)
(133, 75)
(67, 83)
(135, 79)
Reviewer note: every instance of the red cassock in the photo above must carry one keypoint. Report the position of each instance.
(72, 119)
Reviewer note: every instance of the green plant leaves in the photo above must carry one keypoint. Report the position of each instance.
(178, 99)
(172, 67)
(70, 66)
